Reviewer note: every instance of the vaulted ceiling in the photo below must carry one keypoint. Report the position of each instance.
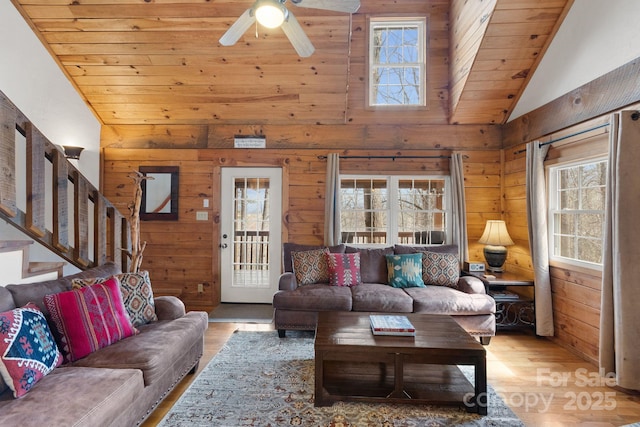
(160, 62)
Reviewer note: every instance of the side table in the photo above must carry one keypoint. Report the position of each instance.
(513, 311)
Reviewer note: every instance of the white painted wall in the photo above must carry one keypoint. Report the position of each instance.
(32, 80)
(35, 84)
(595, 38)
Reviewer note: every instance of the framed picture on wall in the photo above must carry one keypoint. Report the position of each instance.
(159, 193)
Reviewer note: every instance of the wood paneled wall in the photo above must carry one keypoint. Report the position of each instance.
(181, 254)
(575, 291)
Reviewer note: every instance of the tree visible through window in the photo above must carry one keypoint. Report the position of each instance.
(397, 62)
(389, 210)
(576, 221)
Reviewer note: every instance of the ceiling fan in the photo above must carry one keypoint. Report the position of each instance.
(273, 14)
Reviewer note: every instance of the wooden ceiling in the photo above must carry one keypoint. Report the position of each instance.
(159, 61)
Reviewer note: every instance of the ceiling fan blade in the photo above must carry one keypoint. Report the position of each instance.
(238, 28)
(297, 36)
(348, 6)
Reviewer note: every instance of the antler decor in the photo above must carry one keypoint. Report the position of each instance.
(137, 248)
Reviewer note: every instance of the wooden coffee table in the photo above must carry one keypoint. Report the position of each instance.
(353, 364)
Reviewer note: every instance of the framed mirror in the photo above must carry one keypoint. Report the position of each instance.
(159, 193)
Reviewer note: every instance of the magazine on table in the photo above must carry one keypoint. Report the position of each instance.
(391, 325)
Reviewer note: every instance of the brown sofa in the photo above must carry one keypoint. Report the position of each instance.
(296, 307)
(119, 385)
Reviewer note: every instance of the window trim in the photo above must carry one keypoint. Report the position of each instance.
(552, 209)
(423, 24)
(392, 188)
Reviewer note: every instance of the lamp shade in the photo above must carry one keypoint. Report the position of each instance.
(495, 234)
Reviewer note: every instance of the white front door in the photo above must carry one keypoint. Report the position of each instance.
(250, 237)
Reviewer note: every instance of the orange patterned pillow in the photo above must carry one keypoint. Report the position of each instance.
(310, 266)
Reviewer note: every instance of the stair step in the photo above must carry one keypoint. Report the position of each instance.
(38, 268)
(14, 245)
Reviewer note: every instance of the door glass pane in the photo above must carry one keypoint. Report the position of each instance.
(251, 232)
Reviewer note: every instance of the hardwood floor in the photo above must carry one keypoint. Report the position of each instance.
(544, 384)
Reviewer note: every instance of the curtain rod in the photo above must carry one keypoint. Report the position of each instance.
(542, 144)
(390, 157)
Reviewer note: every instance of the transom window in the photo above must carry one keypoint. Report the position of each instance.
(577, 194)
(397, 62)
(391, 209)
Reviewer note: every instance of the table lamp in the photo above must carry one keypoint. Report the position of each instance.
(495, 238)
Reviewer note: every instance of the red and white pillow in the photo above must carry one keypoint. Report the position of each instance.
(137, 295)
(90, 318)
(344, 269)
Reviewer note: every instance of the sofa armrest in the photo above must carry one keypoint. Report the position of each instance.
(471, 285)
(287, 281)
(169, 308)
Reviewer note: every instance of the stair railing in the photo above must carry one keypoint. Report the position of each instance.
(47, 196)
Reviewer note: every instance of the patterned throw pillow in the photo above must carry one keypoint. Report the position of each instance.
(405, 271)
(28, 351)
(89, 319)
(137, 295)
(344, 269)
(440, 269)
(310, 266)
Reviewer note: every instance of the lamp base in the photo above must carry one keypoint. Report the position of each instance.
(495, 257)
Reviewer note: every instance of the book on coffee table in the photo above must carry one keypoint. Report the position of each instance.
(391, 325)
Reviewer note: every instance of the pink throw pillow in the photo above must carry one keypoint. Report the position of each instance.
(344, 269)
(90, 318)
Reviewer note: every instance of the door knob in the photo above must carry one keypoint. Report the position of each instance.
(223, 246)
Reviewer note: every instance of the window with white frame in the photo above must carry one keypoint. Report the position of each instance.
(397, 62)
(577, 194)
(394, 209)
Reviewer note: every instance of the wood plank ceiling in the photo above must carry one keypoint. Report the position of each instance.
(159, 61)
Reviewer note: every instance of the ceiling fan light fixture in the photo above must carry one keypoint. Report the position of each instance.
(270, 13)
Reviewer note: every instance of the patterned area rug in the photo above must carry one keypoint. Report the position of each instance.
(258, 379)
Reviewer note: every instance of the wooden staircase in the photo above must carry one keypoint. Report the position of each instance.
(24, 271)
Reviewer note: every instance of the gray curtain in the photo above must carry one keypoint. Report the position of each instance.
(620, 306)
(332, 201)
(456, 169)
(538, 240)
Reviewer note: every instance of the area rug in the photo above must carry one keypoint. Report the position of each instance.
(242, 313)
(258, 379)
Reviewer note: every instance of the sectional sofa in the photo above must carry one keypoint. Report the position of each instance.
(117, 385)
(296, 305)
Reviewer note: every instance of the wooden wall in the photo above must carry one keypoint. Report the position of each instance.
(575, 291)
(181, 254)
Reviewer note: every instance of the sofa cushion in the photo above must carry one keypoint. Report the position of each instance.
(6, 300)
(318, 297)
(444, 300)
(90, 318)
(35, 292)
(154, 350)
(71, 396)
(137, 295)
(378, 297)
(441, 269)
(405, 271)
(28, 350)
(344, 269)
(288, 247)
(310, 266)
(373, 264)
